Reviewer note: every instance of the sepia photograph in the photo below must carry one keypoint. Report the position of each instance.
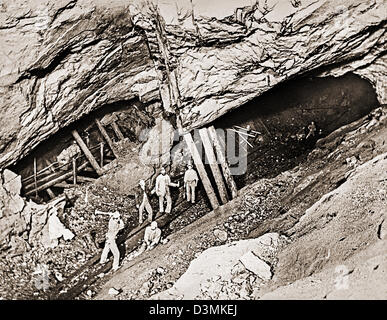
(193, 154)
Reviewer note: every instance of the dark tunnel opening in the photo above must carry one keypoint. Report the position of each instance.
(283, 114)
(130, 116)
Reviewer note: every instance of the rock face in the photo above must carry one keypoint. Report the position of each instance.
(63, 59)
(22, 220)
(218, 267)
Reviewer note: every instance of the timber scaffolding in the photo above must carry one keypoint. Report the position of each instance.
(77, 283)
(55, 175)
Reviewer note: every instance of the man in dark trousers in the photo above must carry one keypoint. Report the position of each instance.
(142, 202)
(115, 225)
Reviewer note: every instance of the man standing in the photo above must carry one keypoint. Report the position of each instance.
(115, 225)
(312, 130)
(163, 182)
(142, 202)
(190, 182)
(152, 235)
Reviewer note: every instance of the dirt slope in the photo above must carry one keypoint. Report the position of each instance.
(331, 209)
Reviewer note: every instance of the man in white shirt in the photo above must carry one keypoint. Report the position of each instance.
(163, 182)
(190, 182)
(152, 235)
(115, 225)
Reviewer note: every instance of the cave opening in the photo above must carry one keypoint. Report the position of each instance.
(283, 114)
(120, 120)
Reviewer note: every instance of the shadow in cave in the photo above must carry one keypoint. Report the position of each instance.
(288, 109)
(47, 151)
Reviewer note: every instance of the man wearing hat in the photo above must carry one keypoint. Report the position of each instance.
(190, 182)
(142, 202)
(115, 225)
(152, 235)
(163, 182)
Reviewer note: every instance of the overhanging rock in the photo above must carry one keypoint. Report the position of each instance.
(62, 60)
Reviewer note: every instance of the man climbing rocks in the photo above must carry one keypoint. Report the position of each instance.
(163, 182)
(115, 225)
(142, 202)
(67, 155)
(312, 130)
(190, 182)
(152, 235)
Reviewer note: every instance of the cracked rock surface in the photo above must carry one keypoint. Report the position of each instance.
(60, 60)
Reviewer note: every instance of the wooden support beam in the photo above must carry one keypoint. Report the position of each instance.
(53, 182)
(87, 152)
(85, 179)
(213, 164)
(117, 130)
(35, 177)
(264, 126)
(51, 193)
(74, 171)
(106, 136)
(101, 155)
(202, 171)
(64, 185)
(245, 140)
(223, 162)
(243, 132)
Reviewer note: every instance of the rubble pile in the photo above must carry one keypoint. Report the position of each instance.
(278, 203)
(53, 236)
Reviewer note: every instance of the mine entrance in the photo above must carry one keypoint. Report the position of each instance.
(282, 116)
(97, 136)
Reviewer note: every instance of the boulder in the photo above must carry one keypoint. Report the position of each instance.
(256, 265)
(221, 235)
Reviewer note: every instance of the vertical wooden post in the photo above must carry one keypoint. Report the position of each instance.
(202, 171)
(101, 151)
(223, 163)
(213, 164)
(117, 130)
(35, 178)
(106, 136)
(87, 152)
(74, 171)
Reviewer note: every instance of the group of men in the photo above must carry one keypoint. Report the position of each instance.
(152, 234)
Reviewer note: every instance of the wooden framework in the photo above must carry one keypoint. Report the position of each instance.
(213, 164)
(211, 141)
(201, 170)
(45, 180)
(220, 153)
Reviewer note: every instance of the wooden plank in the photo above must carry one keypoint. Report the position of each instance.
(264, 126)
(213, 164)
(245, 140)
(202, 171)
(53, 182)
(87, 152)
(117, 130)
(243, 132)
(74, 171)
(253, 131)
(51, 193)
(106, 136)
(223, 162)
(86, 179)
(64, 185)
(35, 177)
(101, 155)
